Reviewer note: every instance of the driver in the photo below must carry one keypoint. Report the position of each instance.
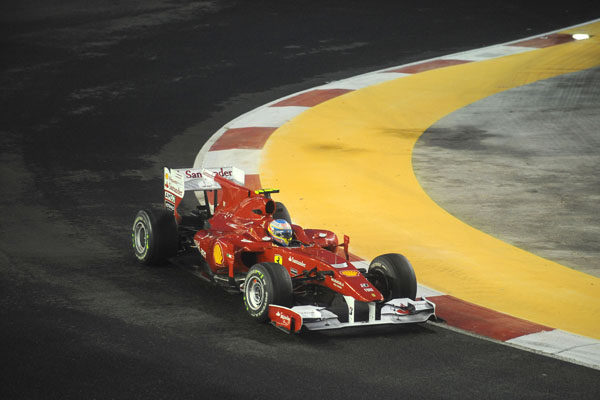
(281, 231)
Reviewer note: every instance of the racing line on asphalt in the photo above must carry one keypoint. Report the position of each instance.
(367, 188)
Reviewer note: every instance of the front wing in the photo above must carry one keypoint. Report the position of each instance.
(395, 311)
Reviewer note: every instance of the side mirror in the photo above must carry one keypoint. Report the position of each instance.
(345, 245)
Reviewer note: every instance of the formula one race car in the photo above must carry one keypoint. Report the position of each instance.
(244, 241)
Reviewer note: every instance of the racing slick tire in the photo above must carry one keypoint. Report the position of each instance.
(393, 276)
(281, 212)
(154, 236)
(266, 283)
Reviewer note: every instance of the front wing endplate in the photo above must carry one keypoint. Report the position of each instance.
(285, 319)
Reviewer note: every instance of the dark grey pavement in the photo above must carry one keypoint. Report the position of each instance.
(96, 96)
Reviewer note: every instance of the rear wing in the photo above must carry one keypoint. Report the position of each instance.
(177, 181)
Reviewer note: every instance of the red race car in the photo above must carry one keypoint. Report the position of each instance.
(244, 241)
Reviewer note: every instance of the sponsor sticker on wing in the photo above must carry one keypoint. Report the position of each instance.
(174, 182)
(197, 179)
(337, 283)
(284, 318)
(297, 262)
(170, 197)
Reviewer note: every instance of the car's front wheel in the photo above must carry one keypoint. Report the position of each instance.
(266, 283)
(393, 276)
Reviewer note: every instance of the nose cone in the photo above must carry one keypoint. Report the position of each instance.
(361, 288)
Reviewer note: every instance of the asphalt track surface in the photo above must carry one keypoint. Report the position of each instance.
(96, 98)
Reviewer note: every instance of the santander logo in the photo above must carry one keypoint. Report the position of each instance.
(192, 174)
(285, 319)
(297, 262)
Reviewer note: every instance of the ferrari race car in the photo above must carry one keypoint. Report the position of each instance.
(306, 281)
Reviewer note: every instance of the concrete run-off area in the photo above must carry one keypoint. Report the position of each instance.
(522, 165)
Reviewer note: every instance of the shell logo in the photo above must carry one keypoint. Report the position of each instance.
(218, 254)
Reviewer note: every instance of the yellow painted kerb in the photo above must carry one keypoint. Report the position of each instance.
(346, 165)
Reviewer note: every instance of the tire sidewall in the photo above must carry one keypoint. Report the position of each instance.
(377, 267)
(277, 288)
(161, 236)
(400, 276)
(143, 218)
(259, 273)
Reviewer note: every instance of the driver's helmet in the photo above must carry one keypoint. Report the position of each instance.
(281, 231)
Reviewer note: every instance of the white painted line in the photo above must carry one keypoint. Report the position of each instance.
(424, 291)
(564, 344)
(263, 116)
(362, 81)
(588, 355)
(245, 159)
(270, 117)
(487, 53)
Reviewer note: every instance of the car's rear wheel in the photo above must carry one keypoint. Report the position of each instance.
(393, 276)
(266, 283)
(154, 236)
